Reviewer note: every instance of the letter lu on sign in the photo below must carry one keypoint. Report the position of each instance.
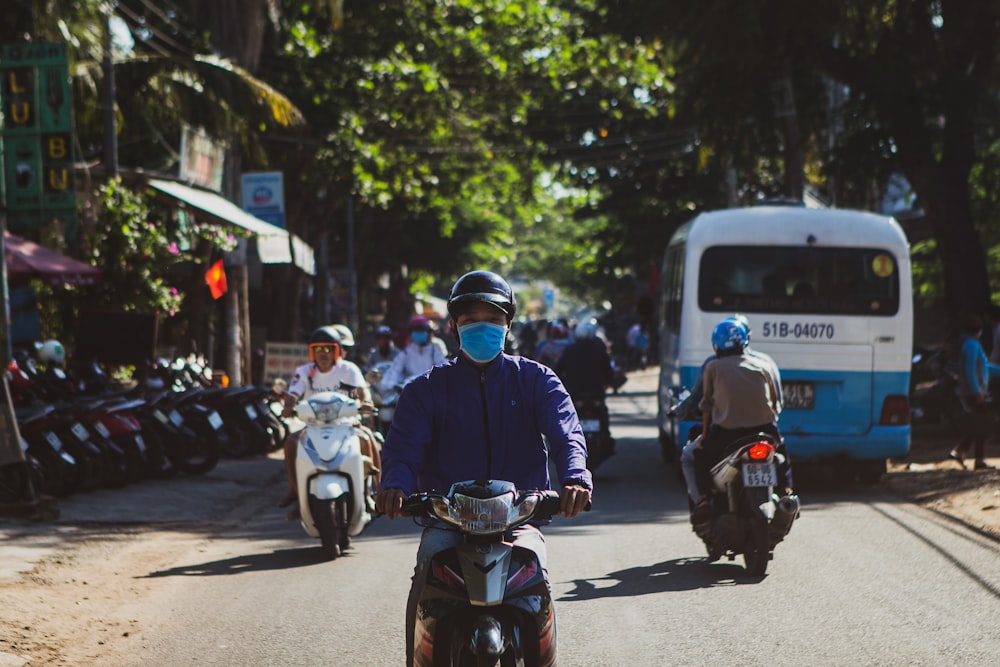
(37, 135)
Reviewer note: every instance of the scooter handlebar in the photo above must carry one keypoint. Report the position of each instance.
(419, 504)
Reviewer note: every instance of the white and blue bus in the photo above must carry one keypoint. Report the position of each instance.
(828, 295)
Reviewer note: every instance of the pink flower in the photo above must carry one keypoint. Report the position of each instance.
(174, 250)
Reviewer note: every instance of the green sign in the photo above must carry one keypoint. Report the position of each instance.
(37, 136)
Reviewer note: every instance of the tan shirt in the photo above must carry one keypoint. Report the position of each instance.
(739, 392)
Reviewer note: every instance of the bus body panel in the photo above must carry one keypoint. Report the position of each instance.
(844, 365)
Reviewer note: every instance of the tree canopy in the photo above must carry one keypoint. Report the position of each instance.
(562, 139)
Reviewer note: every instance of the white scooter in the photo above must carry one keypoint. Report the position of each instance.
(330, 471)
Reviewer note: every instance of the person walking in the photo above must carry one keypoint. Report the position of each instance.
(974, 373)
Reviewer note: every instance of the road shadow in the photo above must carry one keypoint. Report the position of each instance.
(671, 576)
(280, 559)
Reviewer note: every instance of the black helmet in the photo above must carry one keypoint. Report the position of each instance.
(481, 287)
(325, 334)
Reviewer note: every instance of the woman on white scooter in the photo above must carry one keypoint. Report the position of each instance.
(326, 371)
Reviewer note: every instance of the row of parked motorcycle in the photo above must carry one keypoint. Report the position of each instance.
(83, 431)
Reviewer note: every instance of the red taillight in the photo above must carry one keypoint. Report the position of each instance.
(761, 451)
(895, 410)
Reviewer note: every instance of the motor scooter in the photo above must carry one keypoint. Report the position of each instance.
(330, 471)
(485, 601)
(747, 516)
(593, 414)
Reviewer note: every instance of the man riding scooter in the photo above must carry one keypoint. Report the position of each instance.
(740, 398)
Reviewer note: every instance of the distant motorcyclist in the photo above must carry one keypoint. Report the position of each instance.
(556, 341)
(384, 352)
(347, 350)
(740, 398)
(585, 370)
(418, 357)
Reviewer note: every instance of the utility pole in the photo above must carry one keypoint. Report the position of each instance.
(20, 497)
(108, 90)
(352, 275)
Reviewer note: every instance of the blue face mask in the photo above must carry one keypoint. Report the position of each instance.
(482, 341)
(419, 337)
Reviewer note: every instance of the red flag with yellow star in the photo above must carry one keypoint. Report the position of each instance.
(215, 278)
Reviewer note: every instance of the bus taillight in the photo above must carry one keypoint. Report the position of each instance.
(895, 410)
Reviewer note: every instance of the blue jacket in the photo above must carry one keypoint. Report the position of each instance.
(975, 370)
(438, 432)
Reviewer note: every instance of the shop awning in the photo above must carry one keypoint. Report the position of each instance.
(274, 244)
(27, 261)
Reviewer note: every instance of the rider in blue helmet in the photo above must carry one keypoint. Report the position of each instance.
(729, 336)
(740, 398)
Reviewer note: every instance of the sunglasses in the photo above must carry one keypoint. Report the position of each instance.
(323, 349)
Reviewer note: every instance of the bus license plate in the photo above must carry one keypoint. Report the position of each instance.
(590, 425)
(798, 395)
(759, 474)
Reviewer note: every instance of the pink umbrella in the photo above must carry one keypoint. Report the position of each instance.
(27, 260)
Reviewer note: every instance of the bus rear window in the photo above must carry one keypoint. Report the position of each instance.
(799, 280)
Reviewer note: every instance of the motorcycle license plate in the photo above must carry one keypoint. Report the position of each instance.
(759, 474)
(215, 420)
(590, 425)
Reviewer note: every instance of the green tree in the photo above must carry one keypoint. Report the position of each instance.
(918, 79)
(440, 118)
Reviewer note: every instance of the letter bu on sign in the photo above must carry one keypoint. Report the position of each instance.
(38, 135)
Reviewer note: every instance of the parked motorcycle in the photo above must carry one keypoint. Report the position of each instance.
(61, 473)
(747, 516)
(485, 601)
(934, 387)
(330, 471)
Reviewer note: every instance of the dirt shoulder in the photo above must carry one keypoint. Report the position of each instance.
(929, 478)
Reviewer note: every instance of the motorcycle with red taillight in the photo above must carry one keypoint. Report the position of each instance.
(748, 517)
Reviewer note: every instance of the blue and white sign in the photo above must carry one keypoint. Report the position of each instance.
(264, 196)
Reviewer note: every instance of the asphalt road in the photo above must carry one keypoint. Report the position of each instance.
(862, 578)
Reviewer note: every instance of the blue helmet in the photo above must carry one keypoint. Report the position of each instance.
(729, 334)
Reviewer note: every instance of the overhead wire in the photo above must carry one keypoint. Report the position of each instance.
(143, 25)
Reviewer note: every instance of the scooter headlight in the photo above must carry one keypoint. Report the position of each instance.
(480, 516)
(324, 408)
